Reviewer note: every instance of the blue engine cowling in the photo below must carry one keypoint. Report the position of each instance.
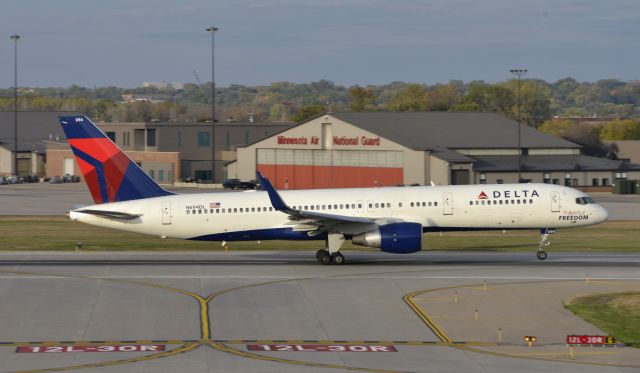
(397, 238)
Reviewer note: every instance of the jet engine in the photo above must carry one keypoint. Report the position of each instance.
(397, 238)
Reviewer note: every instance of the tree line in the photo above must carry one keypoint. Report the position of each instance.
(532, 101)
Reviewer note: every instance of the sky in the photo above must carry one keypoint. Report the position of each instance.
(127, 42)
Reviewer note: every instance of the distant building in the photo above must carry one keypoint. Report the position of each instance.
(34, 128)
(369, 149)
(586, 121)
(163, 85)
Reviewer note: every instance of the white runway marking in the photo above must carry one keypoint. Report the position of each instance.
(350, 277)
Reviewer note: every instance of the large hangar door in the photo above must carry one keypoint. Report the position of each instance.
(321, 168)
(459, 177)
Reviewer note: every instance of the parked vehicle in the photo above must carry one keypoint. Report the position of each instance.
(56, 180)
(3, 180)
(237, 184)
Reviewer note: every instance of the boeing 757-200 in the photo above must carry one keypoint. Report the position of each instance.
(392, 219)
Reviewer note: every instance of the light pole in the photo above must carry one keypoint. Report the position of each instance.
(519, 73)
(213, 30)
(15, 38)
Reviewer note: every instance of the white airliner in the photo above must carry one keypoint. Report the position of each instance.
(392, 219)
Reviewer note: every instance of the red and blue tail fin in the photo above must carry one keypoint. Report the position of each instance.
(109, 173)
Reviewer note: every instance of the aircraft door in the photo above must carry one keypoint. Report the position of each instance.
(447, 204)
(166, 213)
(555, 201)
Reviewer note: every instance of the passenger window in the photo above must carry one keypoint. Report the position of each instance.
(359, 205)
(370, 205)
(346, 206)
(524, 201)
(495, 202)
(500, 201)
(388, 204)
(424, 204)
(335, 207)
(530, 201)
(399, 204)
(341, 206)
(353, 205)
(187, 212)
(324, 207)
(311, 207)
(477, 203)
(329, 207)
(429, 204)
(205, 211)
(411, 204)
(199, 211)
(270, 208)
(377, 205)
(435, 203)
(471, 203)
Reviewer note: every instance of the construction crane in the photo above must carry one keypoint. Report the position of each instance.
(197, 77)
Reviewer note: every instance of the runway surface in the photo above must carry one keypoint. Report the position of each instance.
(282, 312)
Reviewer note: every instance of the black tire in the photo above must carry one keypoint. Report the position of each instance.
(542, 255)
(325, 258)
(337, 258)
(318, 253)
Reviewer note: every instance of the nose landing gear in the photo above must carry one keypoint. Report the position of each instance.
(544, 236)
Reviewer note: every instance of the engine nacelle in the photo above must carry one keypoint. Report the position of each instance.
(397, 238)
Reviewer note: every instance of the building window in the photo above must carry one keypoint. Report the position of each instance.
(204, 138)
(151, 137)
(594, 181)
(556, 181)
(160, 175)
(152, 174)
(179, 139)
(605, 181)
(621, 175)
(546, 178)
(111, 135)
(499, 181)
(126, 137)
(203, 174)
(228, 139)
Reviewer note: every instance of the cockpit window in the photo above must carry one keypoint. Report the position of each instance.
(584, 200)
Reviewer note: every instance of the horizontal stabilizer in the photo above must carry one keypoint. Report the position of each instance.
(118, 215)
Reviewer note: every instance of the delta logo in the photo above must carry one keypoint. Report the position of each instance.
(482, 195)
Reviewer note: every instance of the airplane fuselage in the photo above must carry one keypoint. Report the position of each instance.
(249, 215)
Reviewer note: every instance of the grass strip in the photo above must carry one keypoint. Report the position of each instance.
(44, 233)
(617, 314)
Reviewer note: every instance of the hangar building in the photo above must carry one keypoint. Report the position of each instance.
(340, 150)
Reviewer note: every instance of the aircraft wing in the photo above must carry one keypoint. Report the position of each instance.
(318, 222)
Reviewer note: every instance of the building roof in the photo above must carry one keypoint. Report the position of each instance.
(535, 163)
(453, 130)
(33, 128)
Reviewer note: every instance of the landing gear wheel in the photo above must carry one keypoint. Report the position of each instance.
(337, 258)
(325, 258)
(319, 252)
(542, 255)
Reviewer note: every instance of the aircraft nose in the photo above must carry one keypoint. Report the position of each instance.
(603, 214)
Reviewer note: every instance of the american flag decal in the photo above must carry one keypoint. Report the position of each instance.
(214, 205)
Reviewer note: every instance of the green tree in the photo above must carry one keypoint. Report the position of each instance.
(559, 128)
(621, 130)
(410, 98)
(308, 112)
(360, 99)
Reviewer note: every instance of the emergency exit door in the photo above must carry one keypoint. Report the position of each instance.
(447, 204)
(555, 201)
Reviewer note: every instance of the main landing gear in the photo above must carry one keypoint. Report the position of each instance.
(325, 258)
(331, 255)
(544, 236)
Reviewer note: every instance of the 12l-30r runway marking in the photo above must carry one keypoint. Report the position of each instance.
(185, 346)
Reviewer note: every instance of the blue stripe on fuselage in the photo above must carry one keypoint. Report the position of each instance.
(260, 234)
